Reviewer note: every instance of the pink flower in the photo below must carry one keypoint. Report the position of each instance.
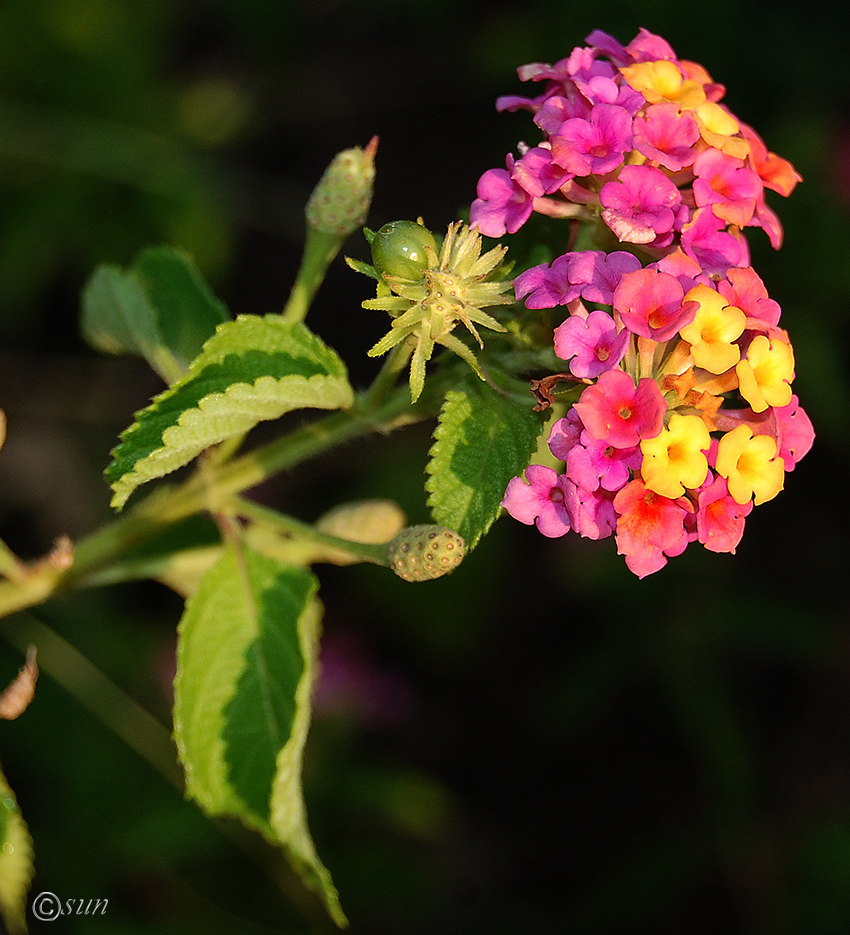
(667, 136)
(596, 145)
(638, 207)
(599, 273)
(684, 268)
(768, 220)
(616, 410)
(724, 183)
(705, 240)
(627, 142)
(592, 512)
(564, 434)
(603, 42)
(651, 304)
(604, 89)
(502, 204)
(744, 289)
(796, 432)
(547, 286)
(556, 110)
(540, 501)
(592, 463)
(649, 528)
(648, 47)
(584, 64)
(720, 520)
(537, 174)
(593, 343)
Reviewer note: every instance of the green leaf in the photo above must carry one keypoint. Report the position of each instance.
(160, 309)
(118, 318)
(252, 369)
(483, 438)
(15, 862)
(246, 662)
(187, 310)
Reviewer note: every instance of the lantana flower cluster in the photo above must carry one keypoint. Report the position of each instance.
(687, 418)
(638, 137)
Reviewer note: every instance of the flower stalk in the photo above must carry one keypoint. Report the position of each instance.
(337, 207)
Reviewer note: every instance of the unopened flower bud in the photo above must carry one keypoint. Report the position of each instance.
(421, 553)
(369, 521)
(340, 202)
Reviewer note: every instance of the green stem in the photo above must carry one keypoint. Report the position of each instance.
(361, 551)
(101, 553)
(68, 667)
(319, 251)
(10, 565)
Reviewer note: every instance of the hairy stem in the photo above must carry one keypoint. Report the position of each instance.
(360, 551)
(100, 555)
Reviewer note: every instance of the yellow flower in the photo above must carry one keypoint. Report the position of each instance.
(765, 375)
(715, 326)
(720, 129)
(675, 459)
(750, 465)
(662, 81)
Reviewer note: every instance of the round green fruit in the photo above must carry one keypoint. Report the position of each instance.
(398, 249)
(421, 553)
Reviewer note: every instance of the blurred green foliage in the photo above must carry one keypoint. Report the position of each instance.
(539, 742)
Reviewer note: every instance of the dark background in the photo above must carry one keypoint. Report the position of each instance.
(541, 742)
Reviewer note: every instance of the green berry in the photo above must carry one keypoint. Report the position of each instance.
(421, 553)
(400, 248)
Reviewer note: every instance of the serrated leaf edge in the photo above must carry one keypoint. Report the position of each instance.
(288, 813)
(219, 416)
(437, 462)
(331, 390)
(437, 454)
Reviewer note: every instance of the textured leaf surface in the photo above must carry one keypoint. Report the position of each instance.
(160, 309)
(482, 440)
(251, 370)
(15, 862)
(245, 671)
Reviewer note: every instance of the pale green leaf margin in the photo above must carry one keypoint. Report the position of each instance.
(199, 726)
(220, 415)
(288, 813)
(16, 868)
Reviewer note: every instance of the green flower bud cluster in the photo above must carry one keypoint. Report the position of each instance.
(340, 202)
(425, 552)
(429, 287)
